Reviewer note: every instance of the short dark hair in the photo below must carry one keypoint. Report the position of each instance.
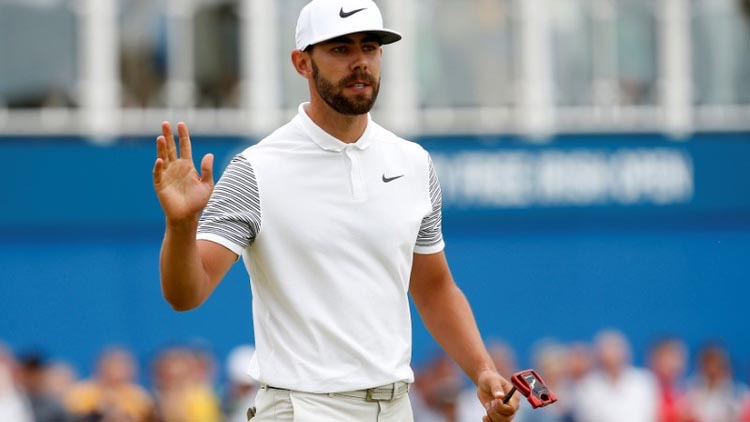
(32, 361)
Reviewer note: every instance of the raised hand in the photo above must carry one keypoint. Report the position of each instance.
(182, 192)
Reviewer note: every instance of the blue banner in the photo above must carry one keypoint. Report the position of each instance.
(69, 182)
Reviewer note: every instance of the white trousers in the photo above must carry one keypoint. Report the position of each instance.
(274, 405)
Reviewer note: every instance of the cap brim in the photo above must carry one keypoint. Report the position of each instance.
(385, 36)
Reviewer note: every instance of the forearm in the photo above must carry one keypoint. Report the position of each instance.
(184, 281)
(447, 315)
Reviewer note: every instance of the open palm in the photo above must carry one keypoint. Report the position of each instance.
(182, 192)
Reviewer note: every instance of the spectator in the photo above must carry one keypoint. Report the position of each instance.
(550, 359)
(204, 367)
(181, 388)
(59, 378)
(616, 391)
(242, 387)
(112, 394)
(713, 395)
(435, 392)
(667, 361)
(12, 405)
(580, 362)
(44, 406)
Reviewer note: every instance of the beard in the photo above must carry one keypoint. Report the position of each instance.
(333, 95)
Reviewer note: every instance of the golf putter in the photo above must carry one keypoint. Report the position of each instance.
(531, 385)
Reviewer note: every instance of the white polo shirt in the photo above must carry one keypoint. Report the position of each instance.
(327, 231)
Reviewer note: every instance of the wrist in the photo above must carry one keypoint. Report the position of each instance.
(187, 225)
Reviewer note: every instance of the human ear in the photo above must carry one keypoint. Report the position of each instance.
(301, 62)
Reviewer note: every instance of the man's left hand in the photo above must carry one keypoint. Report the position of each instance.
(491, 389)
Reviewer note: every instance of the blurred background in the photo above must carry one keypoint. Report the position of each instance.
(594, 157)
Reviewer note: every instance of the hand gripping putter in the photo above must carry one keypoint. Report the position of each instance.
(531, 385)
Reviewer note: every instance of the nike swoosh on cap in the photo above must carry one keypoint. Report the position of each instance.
(347, 14)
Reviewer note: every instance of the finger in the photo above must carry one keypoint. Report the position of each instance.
(166, 130)
(499, 410)
(497, 390)
(161, 149)
(207, 164)
(185, 148)
(158, 169)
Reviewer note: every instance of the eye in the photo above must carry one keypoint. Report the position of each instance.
(340, 49)
(370, 47)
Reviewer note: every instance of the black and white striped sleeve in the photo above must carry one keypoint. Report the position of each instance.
(232, 216)
(430, 237)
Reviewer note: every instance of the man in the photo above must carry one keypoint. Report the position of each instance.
(44, 406)
(13, 406)
(713, 394)
(112, 393)
(337, 220)
(616, 391)
(667, 361)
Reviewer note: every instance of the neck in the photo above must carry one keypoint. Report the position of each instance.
(347, 129)
(614, 373)
(714, 382)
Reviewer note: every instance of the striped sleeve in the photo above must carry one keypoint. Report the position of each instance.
(232, 216)
(430, 237)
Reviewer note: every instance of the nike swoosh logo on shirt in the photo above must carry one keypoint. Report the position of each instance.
(390, 179)
(347, 14)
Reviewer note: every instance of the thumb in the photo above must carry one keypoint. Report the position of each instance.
(207, 174)
(497, 391)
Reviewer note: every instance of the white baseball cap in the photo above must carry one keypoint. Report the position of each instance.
(322, 20)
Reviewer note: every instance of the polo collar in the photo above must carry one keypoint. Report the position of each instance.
(328, 142)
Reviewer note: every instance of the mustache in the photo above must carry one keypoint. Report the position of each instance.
(358, 76)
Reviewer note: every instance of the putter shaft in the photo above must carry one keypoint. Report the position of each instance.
(509, 395)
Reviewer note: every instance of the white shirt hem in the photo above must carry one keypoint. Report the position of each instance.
(237, 249)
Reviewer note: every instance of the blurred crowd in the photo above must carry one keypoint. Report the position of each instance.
(594, 382)
(598, 383)
(182, 388)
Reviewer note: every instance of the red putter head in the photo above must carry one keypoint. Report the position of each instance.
(531, 385)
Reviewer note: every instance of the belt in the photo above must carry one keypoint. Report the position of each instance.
(386, 392)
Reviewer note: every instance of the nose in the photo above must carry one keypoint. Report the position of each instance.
(359, 61)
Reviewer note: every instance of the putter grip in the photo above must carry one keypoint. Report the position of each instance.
(509, 395)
